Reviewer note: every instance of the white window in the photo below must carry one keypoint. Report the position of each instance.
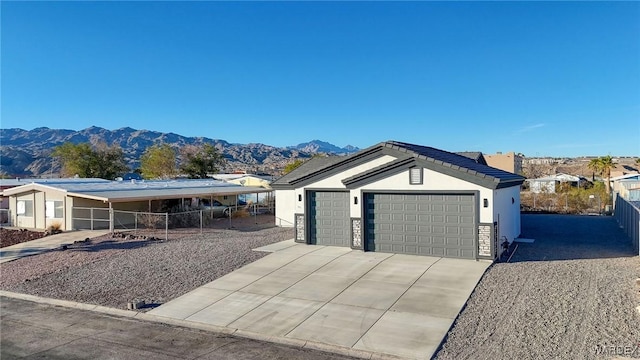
(25, 208)
(53, 209)
(415, 176)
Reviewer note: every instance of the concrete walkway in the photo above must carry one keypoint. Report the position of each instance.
(351, 302)
(47, 243)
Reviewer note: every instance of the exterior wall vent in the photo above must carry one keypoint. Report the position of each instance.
(415, 176)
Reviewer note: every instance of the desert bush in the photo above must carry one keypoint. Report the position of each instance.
(151, 221)
(240, 213)
(567, 200)
(54, 228)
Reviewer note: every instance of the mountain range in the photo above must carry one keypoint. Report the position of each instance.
(26, 153)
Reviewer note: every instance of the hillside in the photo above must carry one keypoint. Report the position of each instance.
(26, 152)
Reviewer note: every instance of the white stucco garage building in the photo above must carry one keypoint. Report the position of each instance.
(402, 198)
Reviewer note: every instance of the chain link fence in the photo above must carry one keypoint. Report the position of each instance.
(159, 224)
(84, 218)
(562, 203)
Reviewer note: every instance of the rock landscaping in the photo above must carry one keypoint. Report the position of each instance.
(10, 237)
(569, 295)
(116, 270)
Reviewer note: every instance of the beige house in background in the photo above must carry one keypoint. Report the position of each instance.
(508, 162)
(245, 179)
(80, 203)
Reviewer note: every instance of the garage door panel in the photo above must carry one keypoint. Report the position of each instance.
(466, 243)
(467, 231)
(329, 218)
(452, 219)
(425, 224)
(437, 229)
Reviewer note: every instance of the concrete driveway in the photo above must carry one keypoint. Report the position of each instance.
(362, 303)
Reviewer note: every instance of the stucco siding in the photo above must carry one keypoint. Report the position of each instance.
(285, 207)
(335, 181)
(507, 212)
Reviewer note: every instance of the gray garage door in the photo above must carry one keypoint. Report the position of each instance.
(423, 224)
(329, 218)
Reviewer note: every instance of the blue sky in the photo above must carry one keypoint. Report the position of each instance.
(541, 78)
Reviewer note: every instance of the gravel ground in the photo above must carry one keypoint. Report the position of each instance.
(112, 272)
(570, 295)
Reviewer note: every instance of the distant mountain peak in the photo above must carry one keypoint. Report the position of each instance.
(26, 152)
(319, 146)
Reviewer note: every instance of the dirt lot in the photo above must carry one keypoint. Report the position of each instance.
(569, 295)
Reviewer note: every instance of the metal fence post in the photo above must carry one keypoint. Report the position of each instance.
(111, 221)
(166, 226)
(135, 223)
(201, 221)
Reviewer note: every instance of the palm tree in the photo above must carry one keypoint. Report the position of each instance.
(602, 166)
(595, 165)
(606, 164)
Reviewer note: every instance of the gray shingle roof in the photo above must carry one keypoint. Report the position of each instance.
(454, 160)
(475, 155)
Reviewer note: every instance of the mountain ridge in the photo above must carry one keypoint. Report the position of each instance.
(26, 152)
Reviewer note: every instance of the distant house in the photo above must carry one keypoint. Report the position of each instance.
(81, 203)
(402, 198)
(253, 180)
(262, 181)
(548, 184)
(627, 186)
(510, 162)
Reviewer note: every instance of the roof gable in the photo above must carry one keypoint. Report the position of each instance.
(407, 155)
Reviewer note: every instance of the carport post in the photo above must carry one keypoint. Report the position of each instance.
(110, 219)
